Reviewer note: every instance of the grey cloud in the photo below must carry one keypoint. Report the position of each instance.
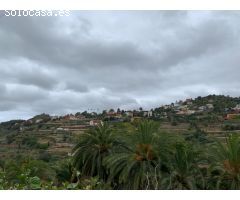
(23, 94)
(37, 78)
(193, 42)
(75, 102)
(7, 106)
(37, 40)
(28, 73)
(104, 59)
(2, 89)
(75, 86)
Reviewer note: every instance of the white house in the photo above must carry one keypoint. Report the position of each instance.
(95, 122)
(39, 120)
(209, 106)
(147, 113)
(129, 113)
(202, 108)
(237, 107)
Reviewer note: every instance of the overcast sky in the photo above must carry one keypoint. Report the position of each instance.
(127, 59)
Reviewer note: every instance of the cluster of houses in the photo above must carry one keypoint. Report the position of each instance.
(111, 115)
(80, 121)
(187, 108)
(95, 120)
(233, 113)
(121, 115)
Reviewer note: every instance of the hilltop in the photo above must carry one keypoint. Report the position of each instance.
(211, 106)
(57, 134)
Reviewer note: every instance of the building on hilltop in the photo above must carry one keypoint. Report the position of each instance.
(237, 108)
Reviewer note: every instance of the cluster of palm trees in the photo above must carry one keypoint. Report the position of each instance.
(148, 159)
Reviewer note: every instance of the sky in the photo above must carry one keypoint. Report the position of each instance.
(95, 60)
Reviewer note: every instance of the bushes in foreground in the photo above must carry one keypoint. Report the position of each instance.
(138, 158)
(144, 159)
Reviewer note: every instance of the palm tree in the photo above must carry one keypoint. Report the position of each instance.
(227, 156)
(91, 149)
(136, 164)
(184, 169)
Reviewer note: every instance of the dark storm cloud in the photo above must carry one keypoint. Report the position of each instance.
(42, 40)
(97, 60)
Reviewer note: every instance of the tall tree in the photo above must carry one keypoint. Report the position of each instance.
(133, 166)
(227, 158)
(184, 170)
(91, 149)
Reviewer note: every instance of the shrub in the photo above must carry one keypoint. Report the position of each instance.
(44, 156)
(10, 138)
(30, 141)
(174, 123)
(43, 146)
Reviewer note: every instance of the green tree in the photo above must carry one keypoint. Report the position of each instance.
(184, 169)
(227, 162)
(133, 166)
(91, 149)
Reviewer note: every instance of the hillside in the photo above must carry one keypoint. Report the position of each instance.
(55, 136)
(46, 142)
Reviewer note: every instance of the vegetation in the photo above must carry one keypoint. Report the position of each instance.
(93, 147)
(142, 157)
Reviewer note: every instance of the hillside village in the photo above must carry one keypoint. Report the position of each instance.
(57, 134)
(85, 120)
